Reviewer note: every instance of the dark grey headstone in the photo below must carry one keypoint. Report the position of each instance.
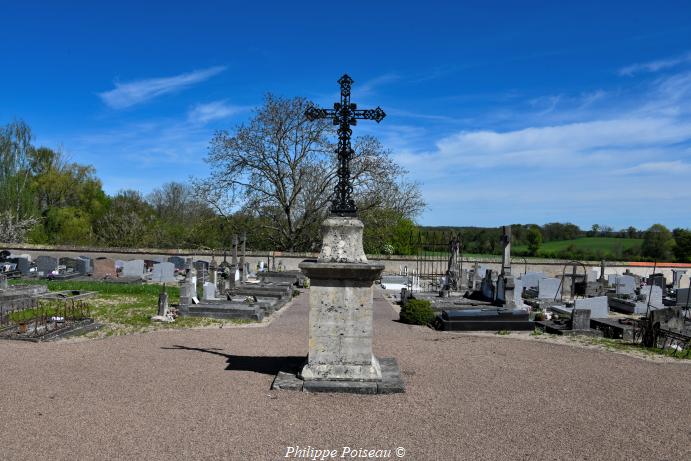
(178, 261)
(46, 264)
(581, 319)
(83, 265)
(23, 265)
(71, 264)
(201, 265)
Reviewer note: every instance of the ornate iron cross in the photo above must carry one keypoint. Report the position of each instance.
(344, 115)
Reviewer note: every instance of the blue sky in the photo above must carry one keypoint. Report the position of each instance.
(505, 112)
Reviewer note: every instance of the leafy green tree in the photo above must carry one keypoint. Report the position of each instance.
(534, 237)
(657, 243)
(127, 222)
(682, 247)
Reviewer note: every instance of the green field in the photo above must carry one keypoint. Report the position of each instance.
(609, 245)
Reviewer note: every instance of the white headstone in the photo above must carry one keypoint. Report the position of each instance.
(655, 294)
(209, 291)
(134, 268)
(598, 306)
(593, 275)
(531, 279)
(163, 272)
(548, 288)
(612, 279)
(625, 285)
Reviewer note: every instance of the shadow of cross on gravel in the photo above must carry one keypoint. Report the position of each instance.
(257, 364)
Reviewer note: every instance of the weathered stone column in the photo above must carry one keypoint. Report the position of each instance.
(506, 283)
(341, 310)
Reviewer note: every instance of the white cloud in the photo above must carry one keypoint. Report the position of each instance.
(655, 66)
(666, 168)
(553, 145)
(215, 110)
(129, 94)
(619, 163)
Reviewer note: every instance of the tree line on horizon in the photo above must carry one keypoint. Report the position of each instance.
(657, 243)
(272, 179)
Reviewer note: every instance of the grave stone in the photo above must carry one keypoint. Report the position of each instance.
(45, 265)
(655, 294)
(612, 280)
(518, 293)
(201, 266)
(592, 275)
(178, 262)
(244, 266)
(84, 265)
(163, 272)
(3, 282)
(23, 265)
(598, 306)
(506, 283)
(683, 297)
(548, 288)
(487, 287)
(676, 277)
(532, 279)
(657, 279)
(134, 268)
(580, 319)
(71, 264)
(209, 291)
(625, 285)
(104, 268)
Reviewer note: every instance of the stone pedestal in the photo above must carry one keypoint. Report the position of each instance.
(341, 316)
(341, 321)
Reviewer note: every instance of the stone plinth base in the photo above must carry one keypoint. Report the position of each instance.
(340, 322)
(390, 383)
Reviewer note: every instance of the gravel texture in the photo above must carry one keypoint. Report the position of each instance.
(205, 394)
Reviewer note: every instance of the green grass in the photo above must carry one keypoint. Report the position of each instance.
(128, 308)
(620, 345)
(604, 244)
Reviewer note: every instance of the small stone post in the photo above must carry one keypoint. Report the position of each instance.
(243, 270)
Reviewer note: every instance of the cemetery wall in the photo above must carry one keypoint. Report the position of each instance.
(393, 264)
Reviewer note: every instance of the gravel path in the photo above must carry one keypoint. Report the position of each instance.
(205, 394)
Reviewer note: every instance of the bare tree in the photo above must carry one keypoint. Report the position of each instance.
(15, 168)
(282, 166)
(14, 229)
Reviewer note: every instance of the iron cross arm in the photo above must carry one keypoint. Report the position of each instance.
(370, 114)
(313, 113)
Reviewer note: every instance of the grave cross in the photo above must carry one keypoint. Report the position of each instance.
(344, 114)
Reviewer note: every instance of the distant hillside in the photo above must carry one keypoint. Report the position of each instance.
(605, 246)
